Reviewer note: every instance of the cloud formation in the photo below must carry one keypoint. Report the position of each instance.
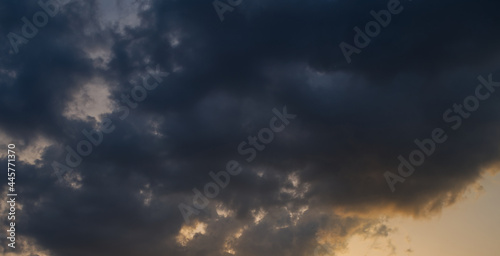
(320, 180)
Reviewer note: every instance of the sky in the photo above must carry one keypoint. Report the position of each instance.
(235, 127)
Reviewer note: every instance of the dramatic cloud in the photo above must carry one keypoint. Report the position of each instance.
(317, 183)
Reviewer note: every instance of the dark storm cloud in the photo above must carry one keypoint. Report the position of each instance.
(353, 120)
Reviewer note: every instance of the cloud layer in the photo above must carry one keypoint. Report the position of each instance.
(321, 180)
